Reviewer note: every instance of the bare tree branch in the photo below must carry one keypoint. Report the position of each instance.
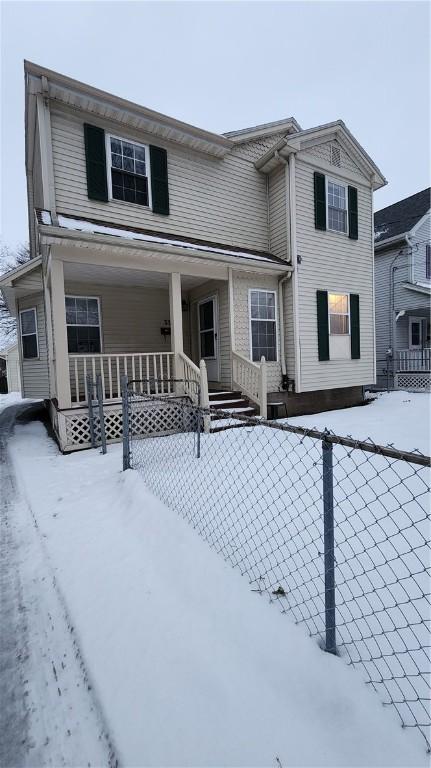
(10, 259)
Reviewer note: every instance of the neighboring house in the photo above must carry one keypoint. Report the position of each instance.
(403, 293)
(161, 249)
(9, 356)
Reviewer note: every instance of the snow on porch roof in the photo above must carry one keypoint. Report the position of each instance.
(98, 227)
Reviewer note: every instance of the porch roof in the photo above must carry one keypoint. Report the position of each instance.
(192, 245)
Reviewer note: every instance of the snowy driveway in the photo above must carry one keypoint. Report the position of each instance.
(188, 667)
(48, 714)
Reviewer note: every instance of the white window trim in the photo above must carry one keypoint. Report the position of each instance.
(36, 333)
(339, 293)
(414, 319)
(146, 147)
(274, 293)
(79, 325)
(329, 179)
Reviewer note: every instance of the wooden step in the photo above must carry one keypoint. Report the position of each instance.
(225, 395)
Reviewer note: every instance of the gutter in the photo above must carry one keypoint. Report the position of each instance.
(52, 234)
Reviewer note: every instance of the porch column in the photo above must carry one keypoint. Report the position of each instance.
(176, 321)
(59, 328)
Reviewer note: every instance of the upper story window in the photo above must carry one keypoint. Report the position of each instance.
(83, 324)
(339, 314)
(263, 325)
(337, 206)
(129, 165)
(428, 262)
(29, 340)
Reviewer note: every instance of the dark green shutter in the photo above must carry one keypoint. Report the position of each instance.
(355, 339)
(322, 325)
(353, 213)
(95, 159)
(319, 201)
(159, 180)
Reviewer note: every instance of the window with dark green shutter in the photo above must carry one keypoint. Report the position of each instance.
(355, 340)
(159, 180)
(129, 163)
(353, 213)
(95, 160)
(322, 324)
(319, 200)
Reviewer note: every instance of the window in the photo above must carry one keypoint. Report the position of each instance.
(337, 206)
(129, 171)
(263, 325)
(415, 332)
(338, 307)
(83, 324)
(29, 340)
(428, 262)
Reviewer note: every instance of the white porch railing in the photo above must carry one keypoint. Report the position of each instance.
(156, 369)
(414, 360)
(149, 365)
(250, 378)
(195, 379)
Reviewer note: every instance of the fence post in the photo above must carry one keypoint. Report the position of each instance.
(99, 393)
(263, 398)
(90, 387)
(126, 432)
(328, 539)
(204, 397)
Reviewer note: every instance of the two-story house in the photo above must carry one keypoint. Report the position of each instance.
(243, 261)
(403, 293)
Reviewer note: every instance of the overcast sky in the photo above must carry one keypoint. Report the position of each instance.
(229, 65)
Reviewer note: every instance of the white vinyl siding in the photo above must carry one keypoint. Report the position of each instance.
(242, 284)
(223, 201)
(338, 265)
(278, 232)
(35, 380)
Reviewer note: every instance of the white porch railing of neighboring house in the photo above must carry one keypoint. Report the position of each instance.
(250, 378)
(156, 369)
(413, 360)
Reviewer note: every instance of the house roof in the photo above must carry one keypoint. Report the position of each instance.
(96, 227)
(401, 217)
(288, 124)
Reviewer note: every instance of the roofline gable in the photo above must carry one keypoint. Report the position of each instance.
(74, 93)
(318, 135)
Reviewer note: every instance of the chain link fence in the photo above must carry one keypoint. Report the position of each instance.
(335, 531)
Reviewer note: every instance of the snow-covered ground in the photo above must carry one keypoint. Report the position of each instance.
(187, 667)
(11, 398)
(398, 418)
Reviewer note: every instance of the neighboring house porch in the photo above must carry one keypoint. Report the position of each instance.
(412, 350)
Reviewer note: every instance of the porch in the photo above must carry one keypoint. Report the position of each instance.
(155, 327)
(412, 358)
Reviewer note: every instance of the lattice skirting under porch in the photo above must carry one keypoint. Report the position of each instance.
(72, 426)
(417, 382)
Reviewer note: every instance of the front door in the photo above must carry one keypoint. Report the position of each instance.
(208, 336)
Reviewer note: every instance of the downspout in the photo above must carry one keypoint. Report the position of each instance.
(291, 185)
(281, 282)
